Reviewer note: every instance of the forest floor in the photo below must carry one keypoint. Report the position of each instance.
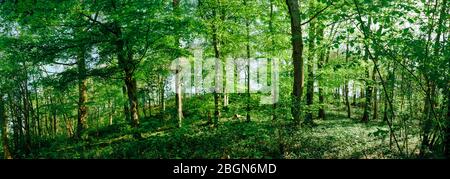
(336, 137)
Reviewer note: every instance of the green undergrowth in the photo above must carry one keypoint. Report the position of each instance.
(334, 137)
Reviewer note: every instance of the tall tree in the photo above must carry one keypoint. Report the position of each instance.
(178, 95)
(297, 57)
(320, 64)
(346, 82)
(311, 61)
(4, 129)
(247, 47)
(216, 46)
(82, 91)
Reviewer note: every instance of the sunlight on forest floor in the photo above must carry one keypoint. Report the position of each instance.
(335, 137)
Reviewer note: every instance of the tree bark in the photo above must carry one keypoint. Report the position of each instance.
(311, 60)
(4, 129)
(297, 57)
(38, 119)
(321, 62)
(346, 85)
(82, 92)
(144, 104)
(125, 58)
(247, 47)
(274, 88)
(126, 107)
(367, 104)
(17, 134)
(111, 113)
(375, 101)
(217, 56)
(162, 102)
(447, 129)
(347, 101)
(26, 116)
(178, 95)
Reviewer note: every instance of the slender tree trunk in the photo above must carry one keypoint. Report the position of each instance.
(321, 62)
(274, 80)
(247, 46)
(368, 96)
(144, 104)
(354, 94)
(385, 96)
(125, 58)
(311, 61)
(447, 129)
(82, 92)
(150, 104)
(126, 107)
(375, 102)
(15, 123)
(38, 119)
(53, 116)
(427, 123)
(297, 57)
(347, 101)
(178, 95)
(162, 102)
(26, 116)
(4, 129)
(111, 113)
(346, 85)
(132, 95)
(217, 56)
(54, 121)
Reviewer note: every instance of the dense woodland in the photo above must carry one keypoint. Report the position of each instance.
(93, 79)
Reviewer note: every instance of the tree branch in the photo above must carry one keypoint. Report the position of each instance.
(101, 24)
(316, 15)
(66, 64)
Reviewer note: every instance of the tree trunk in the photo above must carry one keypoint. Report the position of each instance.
(247, 47)
(368, 96)
(125, 58)
(111, 113)
(447, 129)
(126, 107)
(427, 123)
(346, 85)
(178, 93)
(162, 103)
(54, 117)
(132, 95)
(274, 88)
(217, 56)
(144, 104)
(82, 92)
(15, 123)
(311, 60)
(321, 62)
(26, 116)
(375, 102)
(297, 57)
(385, 100)
(347, 101)
(4, 129)
(354, 94)
(178, 97)
(38, 120)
